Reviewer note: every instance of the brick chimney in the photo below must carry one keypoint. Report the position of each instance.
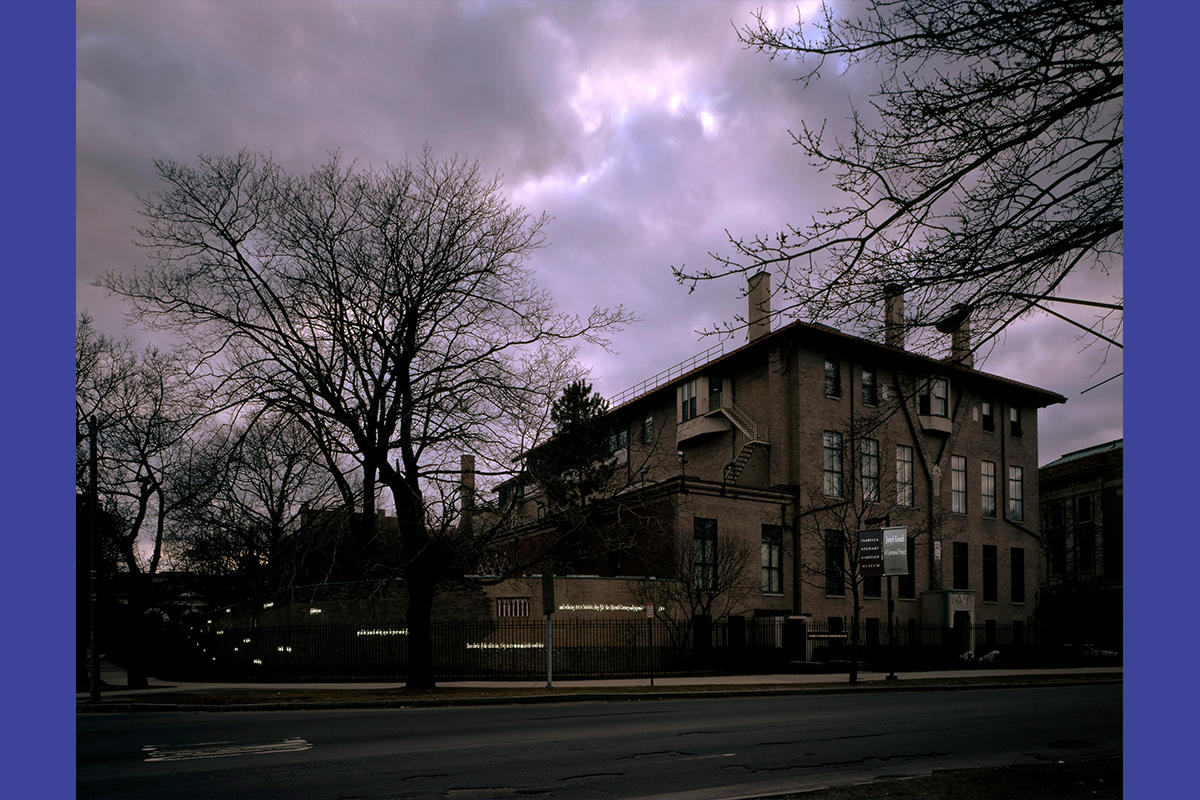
(958, 325)
(758, 293)
(893, 315)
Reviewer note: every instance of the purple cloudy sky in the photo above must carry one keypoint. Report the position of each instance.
(644, 129)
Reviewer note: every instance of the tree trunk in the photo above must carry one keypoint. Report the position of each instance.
(854, 636)
(420, 627)
(135, 662)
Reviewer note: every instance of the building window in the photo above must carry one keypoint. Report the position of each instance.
(870, 470)
(648, 428)
(512, 606)
(714, 393)
(989, 419)
(1016, 494)
(933, 398)
(835, 579)
(987, 474)
(872, 586)
(1054, 529)
(1017, 567)
(704, 553)
(832, 467)
(1014, 421)
(512, 491)
(689, 400)
(904, 475)
(1085, 547)
(962, 579)
(772, 559)
(958, 484)
(870, 390)
(990, 574)
(907, 584)
(833, 378)
(618, 440)
(1083, 508)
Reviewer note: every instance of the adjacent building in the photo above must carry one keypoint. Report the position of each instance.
(1081, 511)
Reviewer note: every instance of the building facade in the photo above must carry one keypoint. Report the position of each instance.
(1081, 497)
(746, 472)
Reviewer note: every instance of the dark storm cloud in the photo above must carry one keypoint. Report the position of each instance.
(644, 129)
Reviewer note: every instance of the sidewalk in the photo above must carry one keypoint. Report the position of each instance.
(113, 677)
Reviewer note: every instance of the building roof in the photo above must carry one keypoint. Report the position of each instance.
(1094, 450)
(819, 333)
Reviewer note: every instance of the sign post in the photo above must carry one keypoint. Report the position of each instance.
(884, 551)
(895, 562)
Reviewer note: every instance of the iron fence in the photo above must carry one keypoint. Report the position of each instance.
(516, 649)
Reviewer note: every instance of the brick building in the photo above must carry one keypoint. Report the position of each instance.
(1081, 510)
(771, 455)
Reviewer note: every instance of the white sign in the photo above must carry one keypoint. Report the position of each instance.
(895, 551)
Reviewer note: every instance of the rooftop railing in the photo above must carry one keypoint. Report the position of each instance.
(669, 374)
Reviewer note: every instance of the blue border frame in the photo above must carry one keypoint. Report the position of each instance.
(40, 259)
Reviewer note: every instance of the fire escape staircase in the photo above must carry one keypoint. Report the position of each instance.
(756, 436)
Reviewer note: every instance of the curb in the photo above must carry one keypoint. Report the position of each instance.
(121, 706)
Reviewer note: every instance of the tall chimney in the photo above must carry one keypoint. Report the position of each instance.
(958, 325)
(758, 293)
(467, 482)
(893, 315)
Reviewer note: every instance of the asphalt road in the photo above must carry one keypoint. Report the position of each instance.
(689, 749)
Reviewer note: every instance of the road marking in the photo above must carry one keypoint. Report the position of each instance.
(712, 755)
(191, 752)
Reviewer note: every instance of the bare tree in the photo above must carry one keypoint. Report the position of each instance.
(146, 407)
(269, 467)
(986, 169)
(390, 310)
(711, 578)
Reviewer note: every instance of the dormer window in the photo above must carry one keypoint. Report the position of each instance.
(933, 398)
